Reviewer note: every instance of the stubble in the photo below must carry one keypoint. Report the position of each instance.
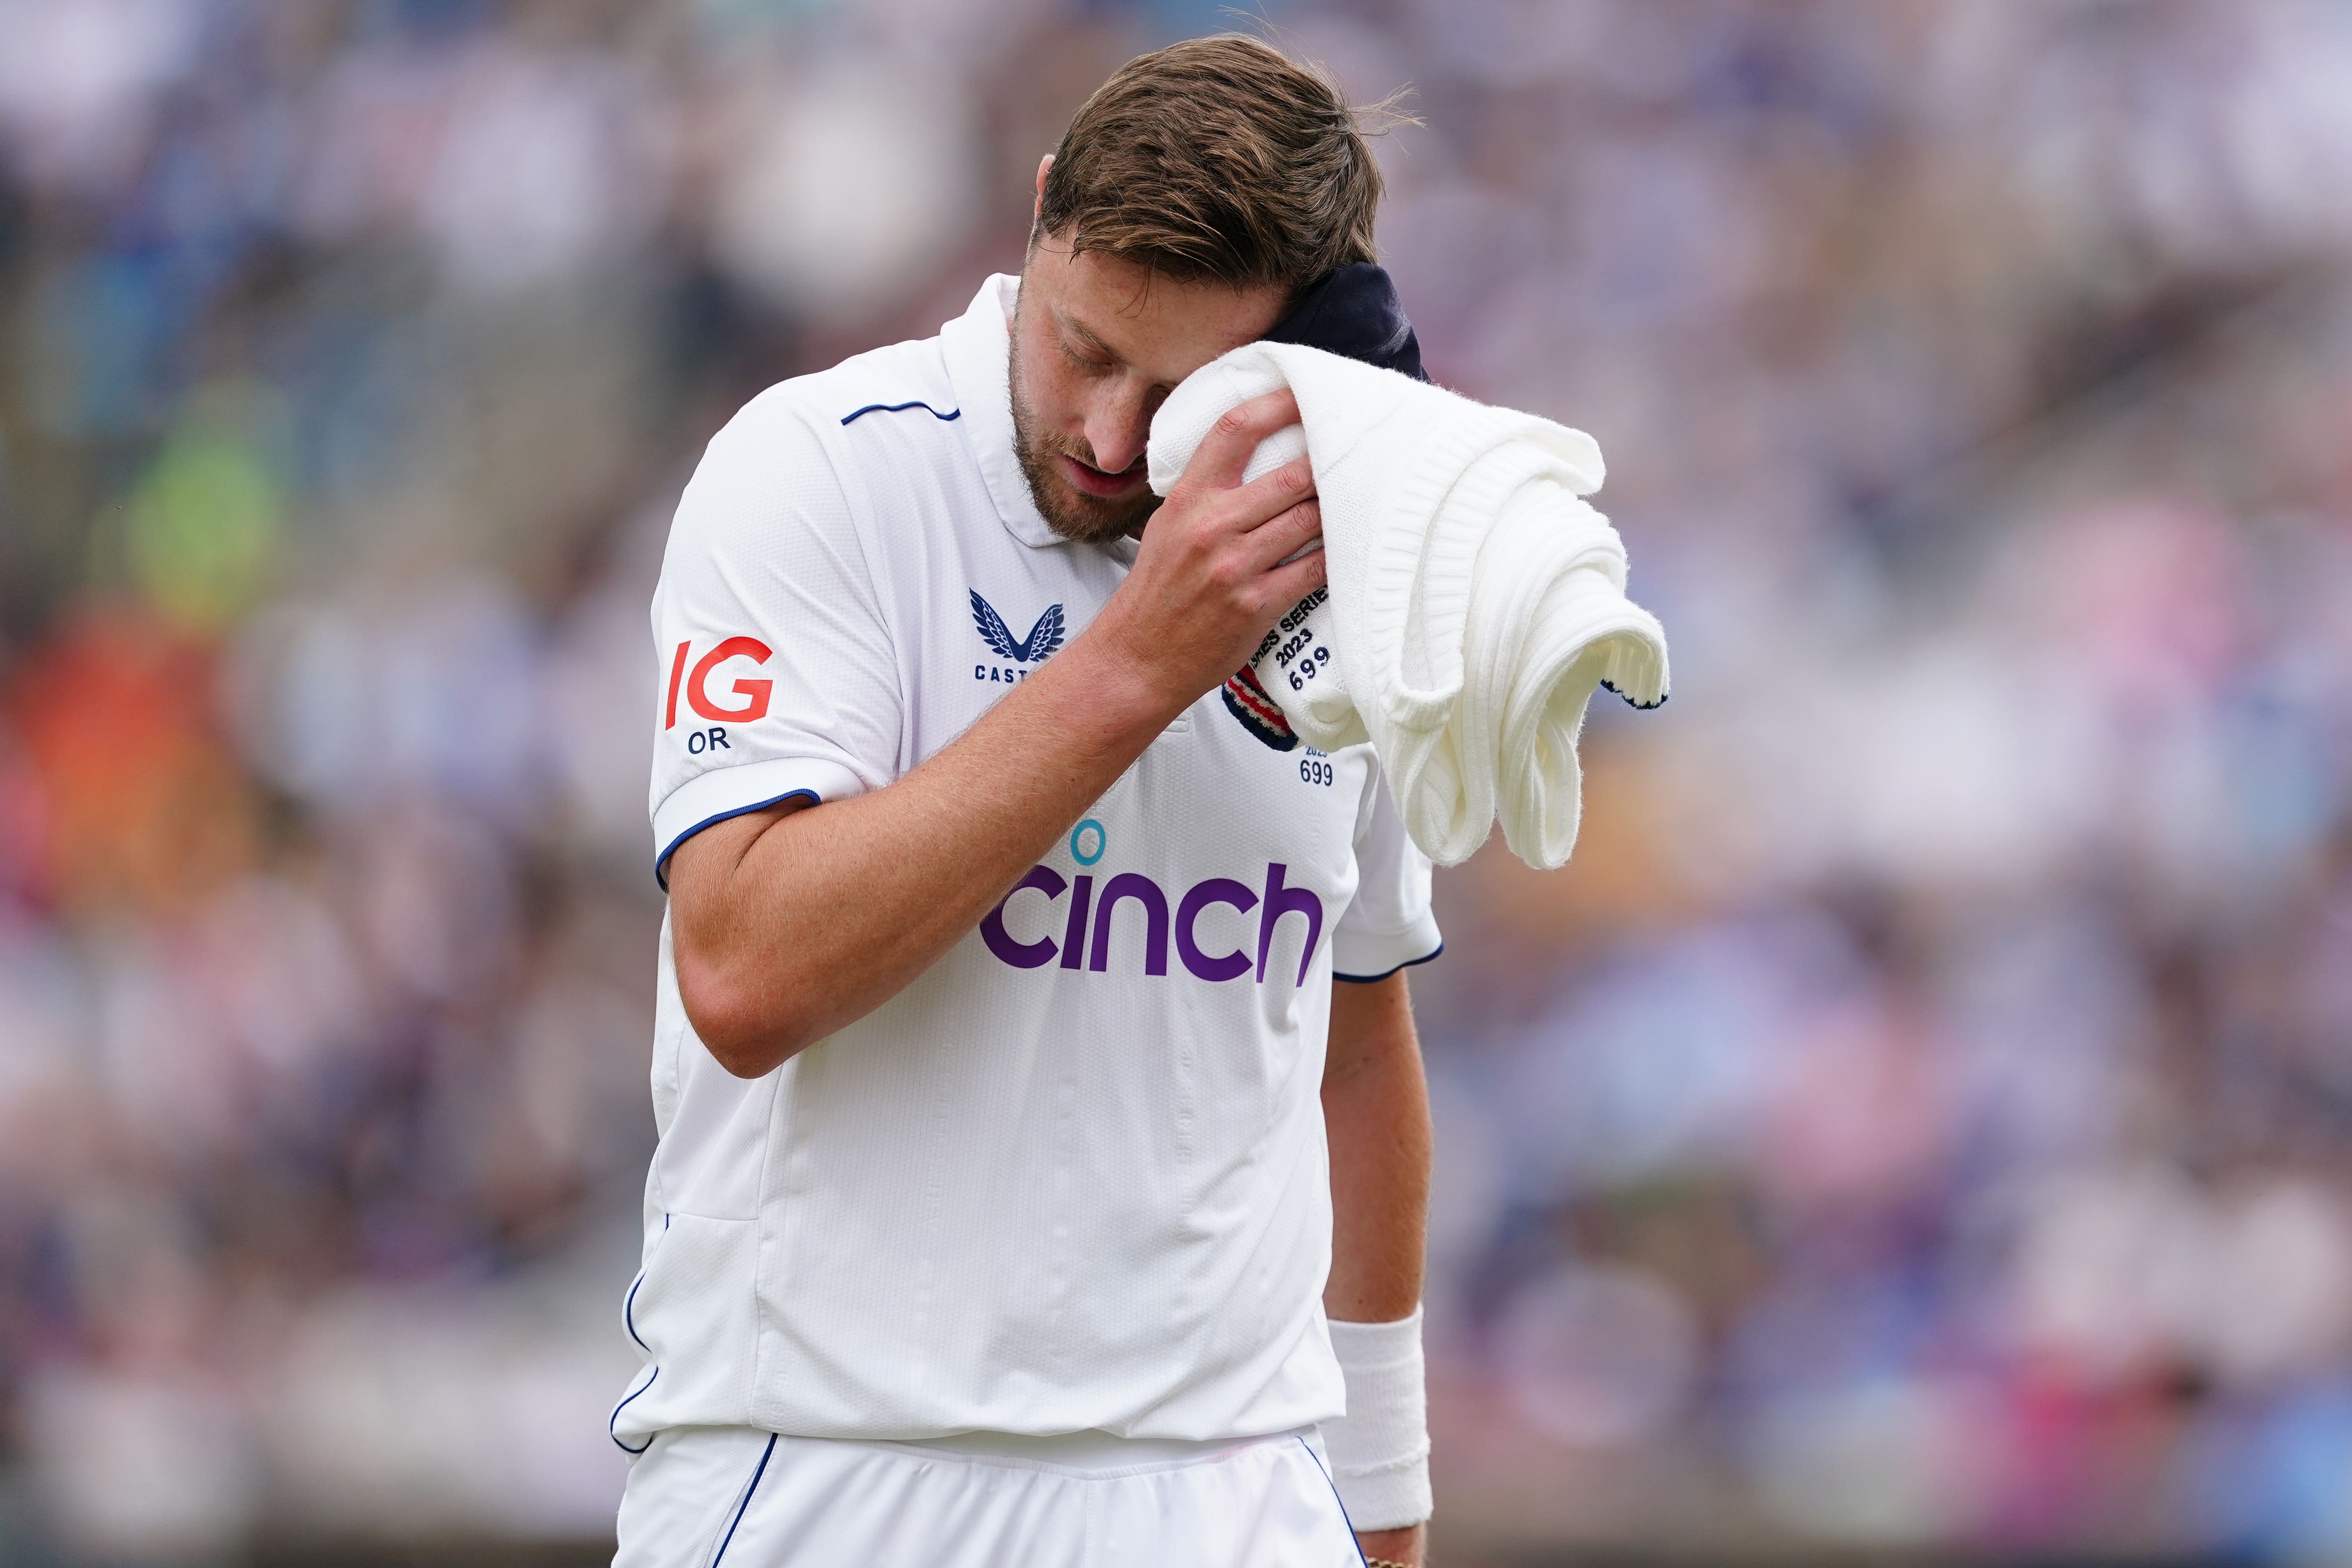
(1084, 519)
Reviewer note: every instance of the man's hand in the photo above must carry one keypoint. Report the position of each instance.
(1407, 1545)
(1208, 581)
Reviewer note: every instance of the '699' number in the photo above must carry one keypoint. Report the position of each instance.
(1314, 772)
(1308, 668)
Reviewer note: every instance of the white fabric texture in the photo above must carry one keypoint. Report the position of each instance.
(1073, 1176)
(733, 1497)
(1475, 600)
(1379, 1451)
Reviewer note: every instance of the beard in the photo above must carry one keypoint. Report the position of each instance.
(1071, 513)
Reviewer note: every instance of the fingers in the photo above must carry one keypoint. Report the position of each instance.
(1285, 534)
(1217, 463)
(1264, 500)
(1286, 585)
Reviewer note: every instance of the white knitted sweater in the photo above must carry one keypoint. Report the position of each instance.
(1475, 600)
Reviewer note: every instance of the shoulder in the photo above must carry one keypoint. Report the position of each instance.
(810, 451)
(900, 389)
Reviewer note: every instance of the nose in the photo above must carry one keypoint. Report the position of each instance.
(1118, 427)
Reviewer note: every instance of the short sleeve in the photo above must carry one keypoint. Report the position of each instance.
(778, 675)
(1388, 925)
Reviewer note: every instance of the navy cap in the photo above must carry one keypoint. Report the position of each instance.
(1355, 312)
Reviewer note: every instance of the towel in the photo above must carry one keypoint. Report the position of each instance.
(1474, 599)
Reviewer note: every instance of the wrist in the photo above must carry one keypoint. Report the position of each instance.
(1119, 684)
(1380, 1448)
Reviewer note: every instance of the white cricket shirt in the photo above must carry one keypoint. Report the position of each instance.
(1073, 1176)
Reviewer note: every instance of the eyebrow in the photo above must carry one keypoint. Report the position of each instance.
(1078, 330)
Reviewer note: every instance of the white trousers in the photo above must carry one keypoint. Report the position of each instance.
(730, 1497)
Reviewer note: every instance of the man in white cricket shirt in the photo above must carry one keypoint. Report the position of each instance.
(1028, 1192)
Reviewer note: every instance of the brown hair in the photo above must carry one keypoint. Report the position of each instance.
(1216, 160)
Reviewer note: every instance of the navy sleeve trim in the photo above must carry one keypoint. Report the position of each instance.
(901, 408)
(661, 861)
(1384, 975)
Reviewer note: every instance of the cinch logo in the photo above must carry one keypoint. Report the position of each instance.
(1082, 949)
(1043, 639)
(754, 693)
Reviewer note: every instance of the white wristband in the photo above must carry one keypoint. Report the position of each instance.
(1380, 1450)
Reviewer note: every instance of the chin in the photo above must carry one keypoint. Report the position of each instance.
(1069, 511)
(1076, 516)
(1089, 521)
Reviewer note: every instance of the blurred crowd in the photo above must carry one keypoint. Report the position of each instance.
(1920, 1115)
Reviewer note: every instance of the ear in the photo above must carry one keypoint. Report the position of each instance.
(1043, 163)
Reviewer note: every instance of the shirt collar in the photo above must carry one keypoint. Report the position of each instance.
(975, 346)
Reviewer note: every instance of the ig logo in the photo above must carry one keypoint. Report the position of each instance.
(753, 693)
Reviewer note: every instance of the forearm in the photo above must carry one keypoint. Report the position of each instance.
(789, 926)
(1376, 1119)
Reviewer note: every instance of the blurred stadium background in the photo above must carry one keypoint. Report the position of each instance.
(1916, 1128)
